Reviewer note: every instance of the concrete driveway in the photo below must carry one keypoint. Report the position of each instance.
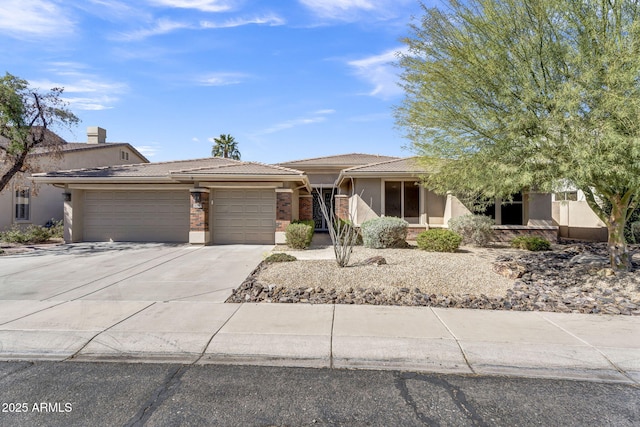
(128, 272)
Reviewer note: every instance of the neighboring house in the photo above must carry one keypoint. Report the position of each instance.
(24, 202)
(223, 201)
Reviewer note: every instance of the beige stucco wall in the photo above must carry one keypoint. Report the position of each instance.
(537, 209)
(453, 208)
(366, 199)
(577, 221)
(323, 179)
(46, 200)
(435, 206)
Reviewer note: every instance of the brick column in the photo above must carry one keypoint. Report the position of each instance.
(341, 207)
(305, 207)
(199, 216)
(284, 210)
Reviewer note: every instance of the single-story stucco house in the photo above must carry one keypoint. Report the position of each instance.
(222, 201)
(23, 202)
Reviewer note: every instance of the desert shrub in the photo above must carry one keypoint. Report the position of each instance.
(56, 228)
(531, 243)
(280, 257)
(312, 227)
(474, 229)
(30, 234)
(439, 240)
(298, 236)
(385, 232)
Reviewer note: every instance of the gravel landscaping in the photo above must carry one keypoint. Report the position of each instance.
(573, 277)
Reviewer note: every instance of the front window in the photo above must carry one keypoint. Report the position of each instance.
(22, 204)
(402, 200)
(507, 213)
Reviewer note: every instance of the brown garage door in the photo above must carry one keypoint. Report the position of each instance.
(136, 216)
(243, 216)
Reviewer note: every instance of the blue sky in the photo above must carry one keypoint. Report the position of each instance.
(289, 79)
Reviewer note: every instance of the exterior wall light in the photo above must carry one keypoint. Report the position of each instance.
(66, 197)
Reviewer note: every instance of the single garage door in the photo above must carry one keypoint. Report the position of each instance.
(244, 216)
(136, 216)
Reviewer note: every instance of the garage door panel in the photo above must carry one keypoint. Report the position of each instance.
(243, 216)
(139, 216)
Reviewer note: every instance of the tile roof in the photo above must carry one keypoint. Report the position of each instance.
(242, 168)
(142, 170)
(344, 160)
(404, 165)
(64, 146)
(211, 166)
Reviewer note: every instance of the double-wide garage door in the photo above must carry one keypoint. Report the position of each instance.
(243, 216)
(136, 216)
(237, 216)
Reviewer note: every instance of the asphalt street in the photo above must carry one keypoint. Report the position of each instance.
(121, 394)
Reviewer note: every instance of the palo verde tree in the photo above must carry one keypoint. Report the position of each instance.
(505, 95)
(26, 117)
(225, 146)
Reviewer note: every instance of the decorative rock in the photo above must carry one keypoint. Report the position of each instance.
(509, 269)
(549, 281)
(374, 260)
(588, 258)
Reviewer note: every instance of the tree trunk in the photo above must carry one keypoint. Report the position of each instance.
(15, 168)
(618, 251)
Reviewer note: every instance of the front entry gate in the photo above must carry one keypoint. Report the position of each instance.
(318, 218)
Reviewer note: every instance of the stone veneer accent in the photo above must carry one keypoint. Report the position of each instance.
(284, 210)
(305, 207)
(506, 233)
(199, 216)
(341, 206)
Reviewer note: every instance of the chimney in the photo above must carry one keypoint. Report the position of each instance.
(96, 135)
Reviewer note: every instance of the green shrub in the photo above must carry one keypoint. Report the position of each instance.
(474, 229)
(531, 243)
(439, 240)
(385, 232)
(312, 227)
(56, 228)
(298, 236)
(30, 234)
(280, 257)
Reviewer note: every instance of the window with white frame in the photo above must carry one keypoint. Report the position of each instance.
(402, 200)
(23, 196)
(124, 155)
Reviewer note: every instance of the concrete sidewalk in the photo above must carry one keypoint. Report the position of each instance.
(530, 344)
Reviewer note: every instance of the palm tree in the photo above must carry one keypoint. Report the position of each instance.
(225, 146)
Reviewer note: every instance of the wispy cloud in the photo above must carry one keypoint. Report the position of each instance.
(379, 71)
(147, 150)
(202, 5)
(315, 117)
(82, 89)
(271, 20)
(353, 10)
(159, 27)
(337, 9)
(34, 19)
(165, 26)
(222, 79)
